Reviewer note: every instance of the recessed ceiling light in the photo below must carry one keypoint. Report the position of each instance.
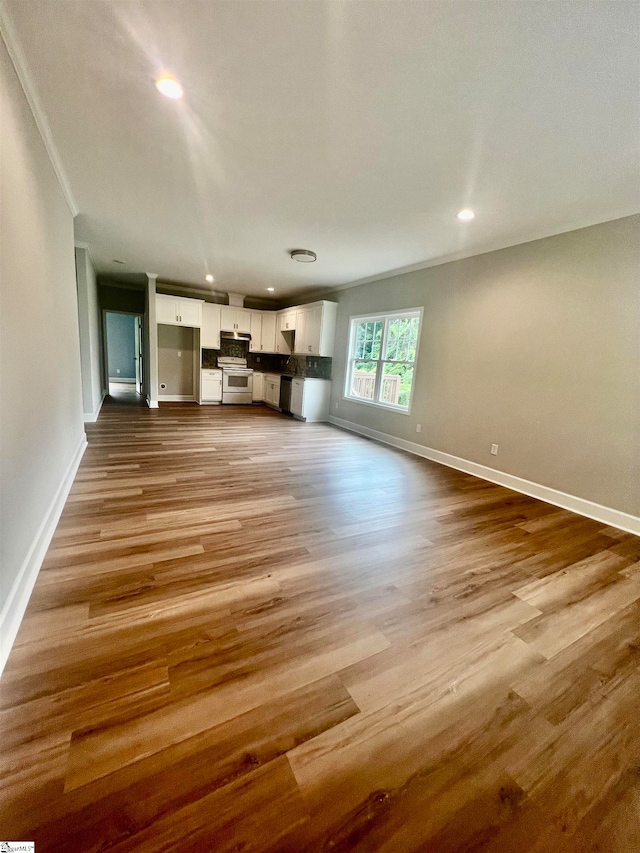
(466, 215)
(169, 87)
(303, 256)
(210, 278)
(271, 289)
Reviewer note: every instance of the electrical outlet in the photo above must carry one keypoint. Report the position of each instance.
(117, 370)
(494, 449)
(257, 358)
(179, 354)
(418, 427)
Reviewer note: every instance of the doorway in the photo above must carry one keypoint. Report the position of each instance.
(124, 367)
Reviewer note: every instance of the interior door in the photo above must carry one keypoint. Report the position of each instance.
(138, 354)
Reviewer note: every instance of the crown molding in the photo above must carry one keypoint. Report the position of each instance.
(16, 54)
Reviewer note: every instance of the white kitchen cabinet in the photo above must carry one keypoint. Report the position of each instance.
(272, 390)
(235, 319)
(258, 387)
(210, 333)
(316, 318)
(310, 399)
(211, 389)
(255, 321)
(268, 339)
(174, 311)
(318, 329)
(297, 396)
(287, 320)
(300, 337)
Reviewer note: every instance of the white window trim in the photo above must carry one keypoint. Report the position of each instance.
(368, 318)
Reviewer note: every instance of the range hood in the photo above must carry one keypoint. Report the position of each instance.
(235, 336)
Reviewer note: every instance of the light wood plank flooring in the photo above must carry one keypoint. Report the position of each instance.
(251, 634)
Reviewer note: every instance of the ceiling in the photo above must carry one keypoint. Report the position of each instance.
(354, 129)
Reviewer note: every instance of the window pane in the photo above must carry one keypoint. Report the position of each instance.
(368, 339)
(395, 388)
(363, 379)
(402, 339)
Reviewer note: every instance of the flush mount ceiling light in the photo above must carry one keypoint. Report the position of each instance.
(271, 289)
(466, 215)
(303, 256)
(210, 278)
(169, 87)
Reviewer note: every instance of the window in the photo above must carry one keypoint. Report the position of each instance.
(382, 356)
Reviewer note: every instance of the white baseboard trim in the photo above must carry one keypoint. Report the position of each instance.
(122, 380)
(581, 506)
(153, 404)
(18, 598)
(176, 398)
(92, 417)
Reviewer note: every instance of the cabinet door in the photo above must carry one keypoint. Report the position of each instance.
(300, 338)
(190, 312)
(243, 320)
(227, 319)
(258, 387)
(210, 335)
(167, 309)
(255, 344)
(313, 330)
(212, 386)
(288, 321)
(297, 396)
(268, 343)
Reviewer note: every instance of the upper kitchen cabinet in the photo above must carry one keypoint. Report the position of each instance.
(176, 311)
(235, 319)
(287, 320)
(316, 328)
(210, 334)
(268, 339)
(255, 344)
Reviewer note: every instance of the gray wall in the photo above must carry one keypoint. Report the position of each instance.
(93, 384)
(41, 426)
(121, 346)
(535, 348)
(174, 370)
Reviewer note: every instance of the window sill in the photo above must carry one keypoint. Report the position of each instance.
(376, 405)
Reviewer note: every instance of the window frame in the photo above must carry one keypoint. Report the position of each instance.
(386, 317)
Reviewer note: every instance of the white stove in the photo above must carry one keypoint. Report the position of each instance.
(237, 380)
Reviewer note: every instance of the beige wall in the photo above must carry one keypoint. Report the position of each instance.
(174, 370)
(41, 428)
(535, 348)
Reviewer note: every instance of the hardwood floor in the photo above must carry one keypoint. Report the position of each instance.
(251, 634)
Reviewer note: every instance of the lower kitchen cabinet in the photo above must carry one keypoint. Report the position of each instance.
(272, 390)
(310, 399)
(211, 391)
(258, 387)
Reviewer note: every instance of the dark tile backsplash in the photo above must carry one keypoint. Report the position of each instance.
(311, 366)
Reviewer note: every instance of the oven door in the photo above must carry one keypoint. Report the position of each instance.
(237, 386)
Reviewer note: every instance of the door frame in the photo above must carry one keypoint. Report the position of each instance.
(138, 337)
